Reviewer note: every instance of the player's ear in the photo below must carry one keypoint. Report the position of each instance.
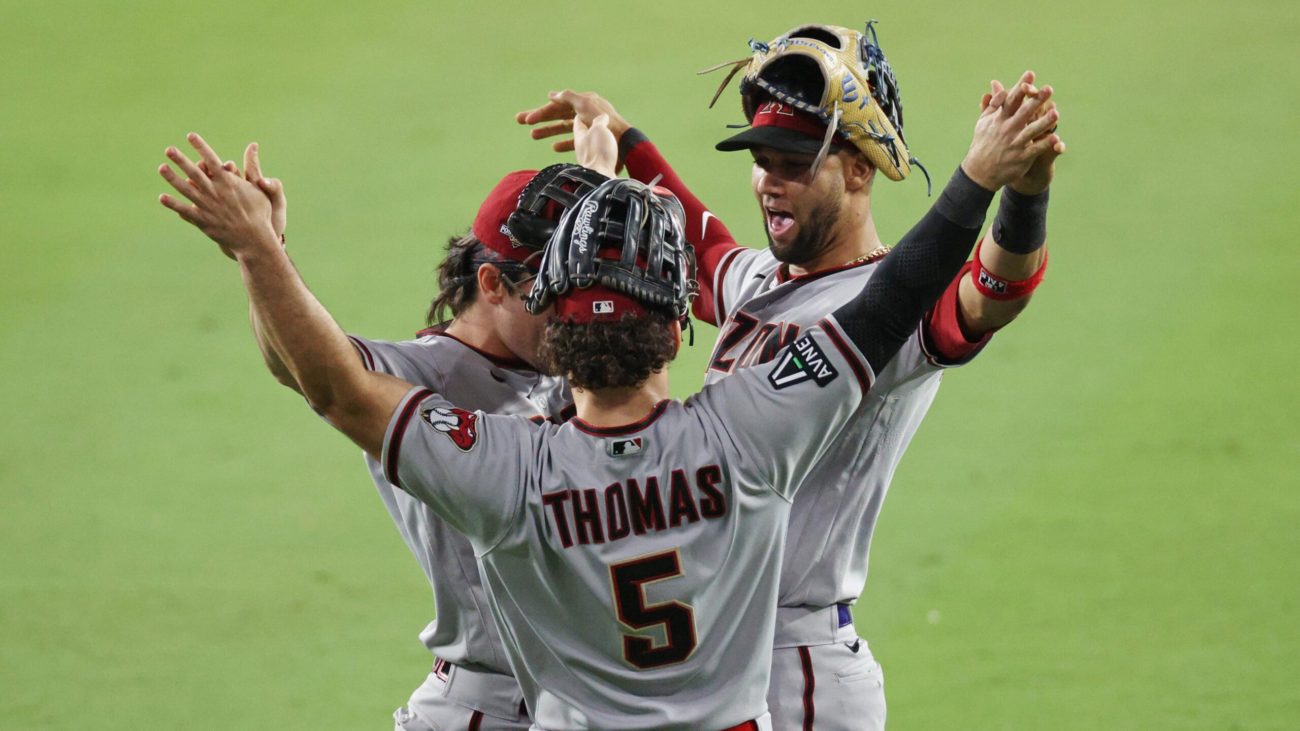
(858, 171)
(491, 285)
(677, 337)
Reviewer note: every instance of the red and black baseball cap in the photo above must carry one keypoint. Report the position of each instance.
(490, 223)
(781, 127)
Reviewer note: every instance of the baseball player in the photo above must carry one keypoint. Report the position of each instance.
(823, 248)
(485, 354)
(630, 553)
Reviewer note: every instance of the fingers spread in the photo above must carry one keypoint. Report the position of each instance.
(199, 177)
(186, 188)
(563, 146)
(560, 128)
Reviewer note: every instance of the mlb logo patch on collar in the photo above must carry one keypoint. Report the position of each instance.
(801, 362)
(625, 447)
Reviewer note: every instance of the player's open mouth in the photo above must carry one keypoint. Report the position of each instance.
(778, 223)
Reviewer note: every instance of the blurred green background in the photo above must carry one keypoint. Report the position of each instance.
(1096, 527)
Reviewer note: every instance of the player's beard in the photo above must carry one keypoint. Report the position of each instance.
(814, 237)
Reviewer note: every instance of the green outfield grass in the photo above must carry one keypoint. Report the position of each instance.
(1095, 529)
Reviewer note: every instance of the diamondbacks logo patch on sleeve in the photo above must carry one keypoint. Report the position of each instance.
(801, 362)
(460, 426)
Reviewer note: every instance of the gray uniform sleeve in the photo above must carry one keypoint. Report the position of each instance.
(469, 467)
(407, 360)
(782, 416)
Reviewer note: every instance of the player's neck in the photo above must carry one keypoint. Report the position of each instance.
(854, 238)
(612, 407)
(475, 329)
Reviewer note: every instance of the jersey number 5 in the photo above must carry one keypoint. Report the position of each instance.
(678, 620)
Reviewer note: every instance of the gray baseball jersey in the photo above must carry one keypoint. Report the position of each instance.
(463, 632)
(633, 570)
(831, 522)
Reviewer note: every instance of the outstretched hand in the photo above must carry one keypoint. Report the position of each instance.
(566, 106)
(230, 210)
(1014, 143)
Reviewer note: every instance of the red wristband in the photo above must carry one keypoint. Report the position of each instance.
(997, 288)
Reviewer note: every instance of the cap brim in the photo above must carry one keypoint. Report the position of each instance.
(777, 138)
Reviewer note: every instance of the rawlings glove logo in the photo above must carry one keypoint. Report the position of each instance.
(582, 227)
(460, 426)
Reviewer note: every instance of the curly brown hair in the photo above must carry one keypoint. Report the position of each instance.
(619, 354)
(457, 280)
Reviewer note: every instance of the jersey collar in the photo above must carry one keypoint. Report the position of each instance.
(618, 431)
(783, 274)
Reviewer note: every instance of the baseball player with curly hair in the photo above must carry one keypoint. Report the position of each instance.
(825, 118)
(629, 554)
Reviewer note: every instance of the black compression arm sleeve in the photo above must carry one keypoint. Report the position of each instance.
(910, 280)
(631, 138)
(1021, 224)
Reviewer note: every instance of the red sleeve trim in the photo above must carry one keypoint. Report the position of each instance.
(712, 240)
(399, 430)
(942, 340)
(719, 286)
(366, 356)
(851, 355)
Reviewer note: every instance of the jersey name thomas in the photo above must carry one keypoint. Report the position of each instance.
(632, 570)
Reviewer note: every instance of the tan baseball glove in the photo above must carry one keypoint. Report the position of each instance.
(842, 76)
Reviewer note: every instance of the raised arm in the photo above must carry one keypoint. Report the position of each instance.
(1008, 138)
(237, 215)
(1012, 259)
(704, 231)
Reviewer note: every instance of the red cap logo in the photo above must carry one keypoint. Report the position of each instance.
(777, 114)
